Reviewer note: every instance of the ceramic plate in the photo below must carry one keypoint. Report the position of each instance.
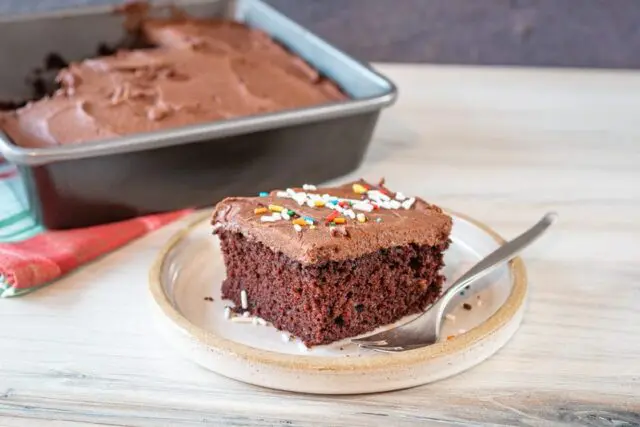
(185, 285)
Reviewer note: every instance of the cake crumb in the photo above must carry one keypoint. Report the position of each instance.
(243, 299)
(285, 337)
(451, 317)
(227, 312)
(467, 306)
(208, 299)
(302, 347)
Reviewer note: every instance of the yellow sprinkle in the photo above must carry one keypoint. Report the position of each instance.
(361, 218)
(319, 203)
(300, 221)
(359, 189)
(259, 211)
(276, 208)
(339, 220)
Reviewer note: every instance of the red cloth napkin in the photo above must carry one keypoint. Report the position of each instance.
(27, 265)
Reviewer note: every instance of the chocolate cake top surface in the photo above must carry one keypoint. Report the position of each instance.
(330, 224)
(200, 71)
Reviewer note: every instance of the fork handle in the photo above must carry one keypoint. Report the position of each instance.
(495, 258)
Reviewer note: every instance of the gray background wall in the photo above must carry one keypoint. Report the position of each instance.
(560, 33)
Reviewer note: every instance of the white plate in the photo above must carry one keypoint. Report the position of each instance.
(190, 269)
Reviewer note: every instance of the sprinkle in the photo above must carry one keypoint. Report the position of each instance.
(467, 306)
(400, 196)
(299, 221)
(319, 203)
(359, 189)
(351, 214)
(332, 216)
(268, 218)
(244, 300)
(276, 208)
(239, 319)
(291, 213)
(308, 219)
(461, 331)
(217, 226)
(367, 207)
(285, 337)
(285, 215)
(361, 217)
(313, 227)
(227, 313)
(378, 219)
(339, 220)
(309, 187)
(450, 337)
(302, 347)
(246, 314)
(450, 316)
(259, 211)
(261, 321)
(394, 204)
(283, 194)
(263, 194)
(297, 228)
(408, 203)
(254, 321)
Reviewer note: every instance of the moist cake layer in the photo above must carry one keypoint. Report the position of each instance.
(330, 301)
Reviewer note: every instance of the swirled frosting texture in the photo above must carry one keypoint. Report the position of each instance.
(421, 224)
(200, 71)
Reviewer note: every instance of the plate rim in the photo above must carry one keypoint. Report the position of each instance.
(497, 321)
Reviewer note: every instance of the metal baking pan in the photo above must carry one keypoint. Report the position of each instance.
(194, 166)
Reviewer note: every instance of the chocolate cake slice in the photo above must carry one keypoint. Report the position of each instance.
(330, 263)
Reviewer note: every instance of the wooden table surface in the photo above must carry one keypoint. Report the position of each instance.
(501, 145)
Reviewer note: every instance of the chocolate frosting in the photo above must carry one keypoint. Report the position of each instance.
(201, 71)
(422, 224)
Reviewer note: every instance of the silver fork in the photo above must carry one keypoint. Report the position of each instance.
(425, 329)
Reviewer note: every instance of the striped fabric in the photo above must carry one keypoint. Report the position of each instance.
(31, 257)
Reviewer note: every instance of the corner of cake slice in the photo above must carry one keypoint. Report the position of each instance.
(326, 264)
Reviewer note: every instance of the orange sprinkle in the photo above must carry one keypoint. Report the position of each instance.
(331, 216)
(259, 211)
(339, 220)
(276, 208)
(450, 337)
(299, 221)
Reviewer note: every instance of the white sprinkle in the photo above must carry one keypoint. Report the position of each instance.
(351, 214)
(246, 314)
(309, 187)
(361, 217)
(261, 321)
(450, 316)
(400, 196)
(285, 215)
(254, 321)
(395, 204)
(297, 227)
(326, 196)
(227, 313)
(238, 319)
(310, 203)
(378, 195)
(244, 300)
(303, 348)
(217, 226)
(363, 207)
(285, 337)
(283, 194)
(267, 218)
(408, 203)
(276, 216)
(461, 331)
(291, 192)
